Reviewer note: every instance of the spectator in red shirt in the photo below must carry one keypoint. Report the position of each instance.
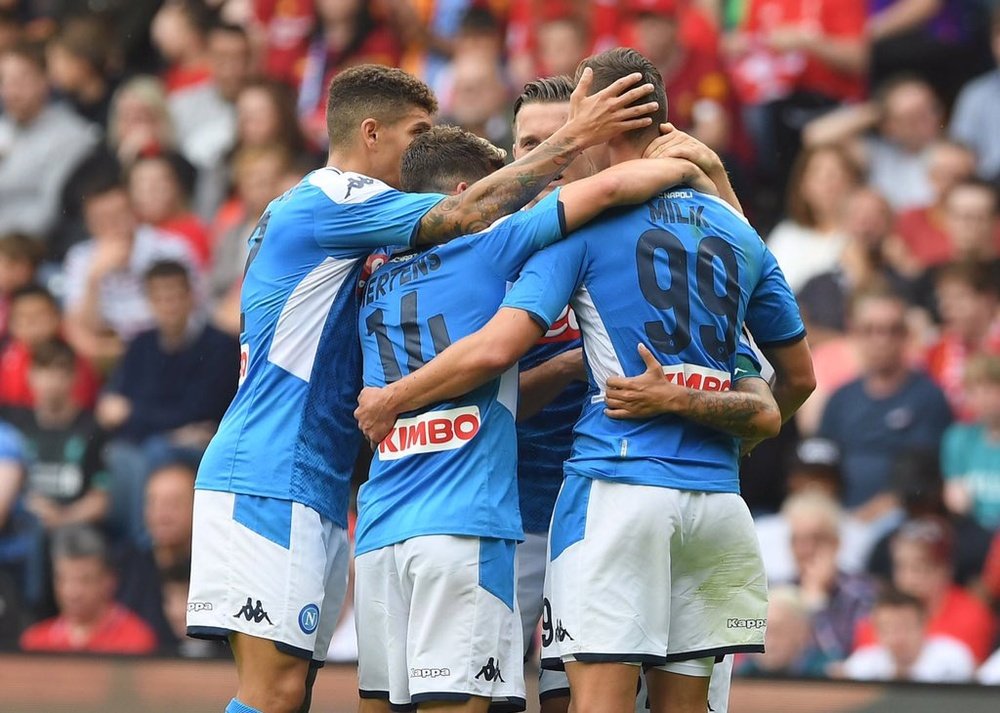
(563, 40)
(35, 320)
(89, 619)
(285, 26)
(968, 296)
(922, 229)
(160, 187)
(180, 33)
(922, 567)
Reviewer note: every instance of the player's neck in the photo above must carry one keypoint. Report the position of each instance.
(350, 161)
(620, 151)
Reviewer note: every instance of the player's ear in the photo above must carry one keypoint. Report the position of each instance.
(460, 188)
(369, 132)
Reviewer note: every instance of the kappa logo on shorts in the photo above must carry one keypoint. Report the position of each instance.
(430, 672)
(309, 618)
(254, 613)
(746, 623)
(357, 182)
(491, 671)
(561, 633)
(200, 606)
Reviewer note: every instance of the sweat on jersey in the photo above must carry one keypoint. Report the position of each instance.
(290, 431)
(448, 469)
(679, 274)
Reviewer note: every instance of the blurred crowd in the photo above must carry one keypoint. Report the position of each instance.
(140, 140)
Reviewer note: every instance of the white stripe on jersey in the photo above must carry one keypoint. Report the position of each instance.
(300, 324)
(346, 187)
(507, 390)
(601, 356)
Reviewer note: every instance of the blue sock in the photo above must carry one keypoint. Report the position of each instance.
(236, 707)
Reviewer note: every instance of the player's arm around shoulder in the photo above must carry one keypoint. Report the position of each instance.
(747, 411)
(628, 183)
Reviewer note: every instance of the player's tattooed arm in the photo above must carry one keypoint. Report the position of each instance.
(466, 364)
(748, 411)
(593, 120)
(674, 143)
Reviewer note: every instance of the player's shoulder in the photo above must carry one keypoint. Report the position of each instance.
(331, 185)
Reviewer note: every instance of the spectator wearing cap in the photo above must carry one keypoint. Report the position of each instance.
(160, 188)
(917, 484)
(922, 567)
(905, 648)
(813, 470)
(89, 619)
(168, 393)
(970, 453)
(699, 97)
(40, 144)
(888, 409)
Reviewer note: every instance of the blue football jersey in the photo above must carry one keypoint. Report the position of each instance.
(449, 469)
(679, 274)
(290, 431)
(544, 441)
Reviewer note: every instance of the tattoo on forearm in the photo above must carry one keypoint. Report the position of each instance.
(732, 412)
(501, 194)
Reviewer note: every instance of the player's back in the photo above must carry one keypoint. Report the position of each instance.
(676, 274)
(448, 469)
(289, 432)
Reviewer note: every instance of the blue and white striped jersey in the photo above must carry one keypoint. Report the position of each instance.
(290, 431)
(679, 274)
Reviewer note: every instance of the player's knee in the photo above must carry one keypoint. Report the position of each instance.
(281, 692)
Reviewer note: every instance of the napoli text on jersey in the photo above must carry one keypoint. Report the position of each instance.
(290, 431)
(450, 469)
(678, 274)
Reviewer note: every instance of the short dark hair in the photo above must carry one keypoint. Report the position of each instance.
(54, 353)
(90, 39)
(892, 597)
(547, 90)
(612, 65)
(30, 51)
(371, 91)
(199, 15)
(439, 159)
(478, 20)
(29, 291)
(879, 291)
(167, 268)
(79, 542)
(229, 28)
(979, 277)
(101, 183)
(183, 170)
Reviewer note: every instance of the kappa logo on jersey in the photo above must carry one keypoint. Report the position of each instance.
(200, 606)
(431, 432)
(254, 613)
(561, 633)
(357, 182)
(746, 623)
(491, 671)
(564, 329)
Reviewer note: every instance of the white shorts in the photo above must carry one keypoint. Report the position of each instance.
(532, 556)
(269, 568)
(438, 621)
(651, 575)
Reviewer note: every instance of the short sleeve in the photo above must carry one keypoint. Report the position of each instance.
(508, 243)
(548, 281)
(358, 212)
(747, 365)
(772, 313)
(951, 453)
